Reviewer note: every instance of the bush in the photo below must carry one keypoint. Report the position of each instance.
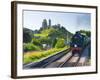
(60, 43)
(37, 42)
(30, 47)
(54, 42)
(39, 55)
(27, 35)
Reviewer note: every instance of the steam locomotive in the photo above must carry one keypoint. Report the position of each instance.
(78, 43)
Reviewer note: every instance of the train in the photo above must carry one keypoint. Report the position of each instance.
(78, 43)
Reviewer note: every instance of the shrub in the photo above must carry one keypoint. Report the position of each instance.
(37, 42)
(60, 43)
(27, 35)
(39, 55)
(30, 47)
(54, 42)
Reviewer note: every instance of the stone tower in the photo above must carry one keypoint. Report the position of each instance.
(49, 22)
(44, 23)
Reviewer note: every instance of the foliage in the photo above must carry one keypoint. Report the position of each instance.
(45, 40)
(48, 31)
(30, 47)
(27, 35)
(40, 35)
(60, 43)
(37, 55)
(54, 42)
(45, 33)
(37, 42)
(88, 33)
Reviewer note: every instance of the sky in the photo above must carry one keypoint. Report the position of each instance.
(71, 21)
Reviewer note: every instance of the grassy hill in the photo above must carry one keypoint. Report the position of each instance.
(48, 36)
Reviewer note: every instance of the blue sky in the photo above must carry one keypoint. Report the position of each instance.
(71, 21)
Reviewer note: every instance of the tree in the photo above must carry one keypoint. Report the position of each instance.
(27, 35)
(88, 33)
(37, 42)
(60, 43)
(54, 42)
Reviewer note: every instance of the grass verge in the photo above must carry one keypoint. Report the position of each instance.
(35, 56)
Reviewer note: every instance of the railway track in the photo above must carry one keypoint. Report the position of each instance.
(47, 61)
(70, 60)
